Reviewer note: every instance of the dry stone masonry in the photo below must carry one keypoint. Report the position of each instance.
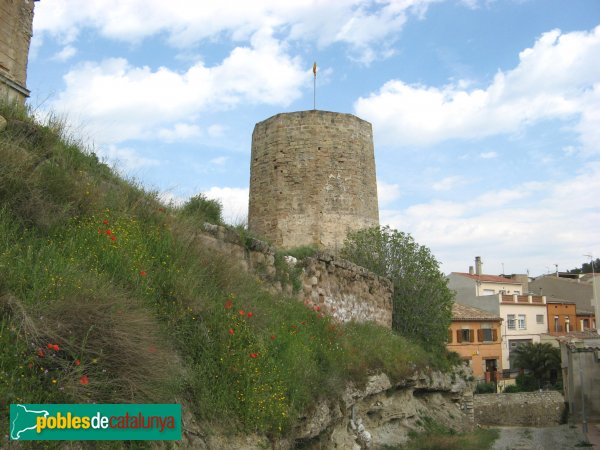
(16, 18)
(523, 409)
(331, 285)
(312, 179)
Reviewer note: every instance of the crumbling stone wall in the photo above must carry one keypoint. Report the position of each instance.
(16, 18)
(312, 179)
(330, 285)
(536, 409)
(346, 291)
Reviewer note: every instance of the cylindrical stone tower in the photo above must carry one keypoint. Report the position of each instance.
(312, 179)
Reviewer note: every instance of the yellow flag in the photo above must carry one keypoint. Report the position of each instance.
(315, 68)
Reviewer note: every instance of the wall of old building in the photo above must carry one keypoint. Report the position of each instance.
(16, 18)
(326, 284)
(312, 179)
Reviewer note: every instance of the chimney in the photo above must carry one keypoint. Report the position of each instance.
(471, 271)
(478, 265)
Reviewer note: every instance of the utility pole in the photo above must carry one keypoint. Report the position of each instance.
(596, 306)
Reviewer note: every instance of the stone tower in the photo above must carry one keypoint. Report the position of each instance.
(16, 18)
(312, 179)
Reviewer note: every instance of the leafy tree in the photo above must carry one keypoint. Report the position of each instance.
(203, 209)
(543, 360)
(422, 302)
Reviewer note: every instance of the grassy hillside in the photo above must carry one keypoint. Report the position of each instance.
(106, 296)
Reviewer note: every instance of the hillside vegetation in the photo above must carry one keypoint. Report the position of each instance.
(106, 296)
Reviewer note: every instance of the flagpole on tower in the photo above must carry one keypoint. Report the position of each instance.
(315, 85)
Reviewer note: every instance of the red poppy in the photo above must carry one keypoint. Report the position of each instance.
(55, 347)
(84, 379)
(77, 362)
(142, 273)
(253, 355)
(231, 331)
(249, 314)
(272, 337)
(317, 308)
(242, 312)
(105, 222)
(228, 304)
(113, 237)
(108, 232)
(49, 346)
(41, 353)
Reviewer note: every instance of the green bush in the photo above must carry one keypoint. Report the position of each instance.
(527, 382)
(202, 209)
(512, 389)
(485, 388)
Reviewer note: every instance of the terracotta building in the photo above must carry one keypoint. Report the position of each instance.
(476, 336)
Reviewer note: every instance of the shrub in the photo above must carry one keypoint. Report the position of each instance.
(202, 209)
(512, 389)
(485, 388)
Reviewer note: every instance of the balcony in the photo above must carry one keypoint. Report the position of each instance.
(524, 299)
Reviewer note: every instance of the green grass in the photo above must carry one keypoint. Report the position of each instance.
(436, 437)
(94, 264)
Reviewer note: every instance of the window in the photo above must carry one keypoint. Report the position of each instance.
(510, 322)
(567, 324)
(489, 292)
(465, 335)
(486, 333)
(522, 322)
(539, 319)
(518, 292)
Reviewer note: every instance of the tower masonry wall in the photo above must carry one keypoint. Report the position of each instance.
(312, 179)
(16, 18)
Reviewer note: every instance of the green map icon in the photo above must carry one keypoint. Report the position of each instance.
(23, 420)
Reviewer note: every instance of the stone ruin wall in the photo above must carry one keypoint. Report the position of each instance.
(312, 179)
(330, 285)
(16, 18)
(522, 409)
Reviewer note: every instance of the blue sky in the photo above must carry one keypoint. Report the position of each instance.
(486, 114)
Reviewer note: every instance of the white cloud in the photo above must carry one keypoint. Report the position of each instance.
(221, 160)
(65, 54)
(448, 183)
(119, 101)
(234, 200)
(555, 79)
(125, 159)
(180, 132)
(387, 193)
(357, 23)
(488, 155)
(519, 226)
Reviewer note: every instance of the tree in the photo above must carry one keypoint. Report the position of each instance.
(422, 302)
(543, 360)
(587, 267)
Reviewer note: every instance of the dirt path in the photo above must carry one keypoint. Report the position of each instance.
(562, 437)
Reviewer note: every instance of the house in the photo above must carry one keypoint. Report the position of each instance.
(575, 288)
(476, 336)
(525, 316)
(562, 317)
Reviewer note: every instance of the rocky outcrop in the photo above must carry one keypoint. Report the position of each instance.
(368, 417)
